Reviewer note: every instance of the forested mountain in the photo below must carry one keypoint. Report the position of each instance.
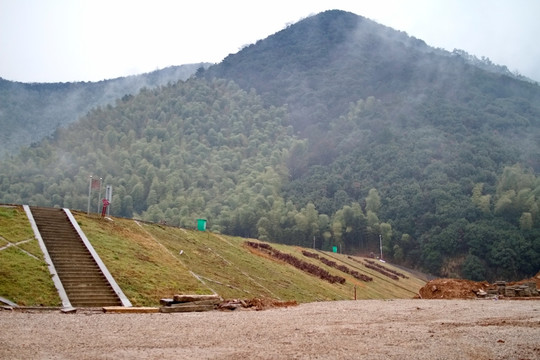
(324, 63)
(335, 131)
(30, 112)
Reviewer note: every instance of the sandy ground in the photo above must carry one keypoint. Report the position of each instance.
(367, 329)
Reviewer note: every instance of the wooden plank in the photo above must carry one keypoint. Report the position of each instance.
(123, 309)
(186, 308)
(191, 298)
(199, 302)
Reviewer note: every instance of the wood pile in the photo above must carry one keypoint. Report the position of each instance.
(525, 289)
(189, 303)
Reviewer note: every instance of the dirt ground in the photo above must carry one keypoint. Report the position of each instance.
(364, 329)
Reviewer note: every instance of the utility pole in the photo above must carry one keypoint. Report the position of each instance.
(380, 245)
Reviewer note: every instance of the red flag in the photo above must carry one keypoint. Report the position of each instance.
(95, 183)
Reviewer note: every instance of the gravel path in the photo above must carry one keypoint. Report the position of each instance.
(367, 329)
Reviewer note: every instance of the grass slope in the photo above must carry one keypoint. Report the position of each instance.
(151, 261)
(24, 276)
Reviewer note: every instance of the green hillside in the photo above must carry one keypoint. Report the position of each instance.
(336, 131)
(152, 261)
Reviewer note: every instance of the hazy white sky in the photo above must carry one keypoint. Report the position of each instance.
(92, 40)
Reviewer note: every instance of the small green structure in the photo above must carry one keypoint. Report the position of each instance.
(201, 224)
(334, 249)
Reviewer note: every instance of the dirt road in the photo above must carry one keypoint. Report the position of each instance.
(369, 329)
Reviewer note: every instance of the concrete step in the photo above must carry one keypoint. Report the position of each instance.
(69, 264)
(64, 271)
(89, 295)
(70, 276)
(75, 248)
(90, 292)
(94, 303)
(77, 283)
(90, 287)
(72, 258)
(68, 250)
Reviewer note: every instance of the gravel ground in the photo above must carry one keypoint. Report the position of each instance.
(365, 329)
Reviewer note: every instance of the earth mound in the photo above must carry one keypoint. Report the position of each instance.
(452, 289)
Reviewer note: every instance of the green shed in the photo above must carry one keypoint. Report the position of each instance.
(201, 224)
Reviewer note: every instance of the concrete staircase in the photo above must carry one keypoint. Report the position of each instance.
(81, 277)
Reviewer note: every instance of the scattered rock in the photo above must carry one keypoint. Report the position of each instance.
(481, 293)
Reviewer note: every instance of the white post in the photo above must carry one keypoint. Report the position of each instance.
(89, 195)
(99, 196)
(108, 196)
(380, 244)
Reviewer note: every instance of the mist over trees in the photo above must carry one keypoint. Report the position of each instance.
(30, 112)
(336, 131)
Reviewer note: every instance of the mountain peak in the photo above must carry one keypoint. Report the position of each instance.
(330, 50)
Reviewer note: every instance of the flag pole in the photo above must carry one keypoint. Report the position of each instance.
(99, 196)
(89, 195)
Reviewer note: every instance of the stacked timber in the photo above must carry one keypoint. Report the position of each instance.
(526, 289)
(189, 303)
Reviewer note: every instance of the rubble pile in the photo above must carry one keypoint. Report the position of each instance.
(254, 304)
(467, 289)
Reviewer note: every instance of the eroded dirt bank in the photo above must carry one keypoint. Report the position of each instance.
(369, 329)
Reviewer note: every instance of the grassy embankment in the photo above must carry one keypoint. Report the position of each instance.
(24, 276)
(151, 261)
